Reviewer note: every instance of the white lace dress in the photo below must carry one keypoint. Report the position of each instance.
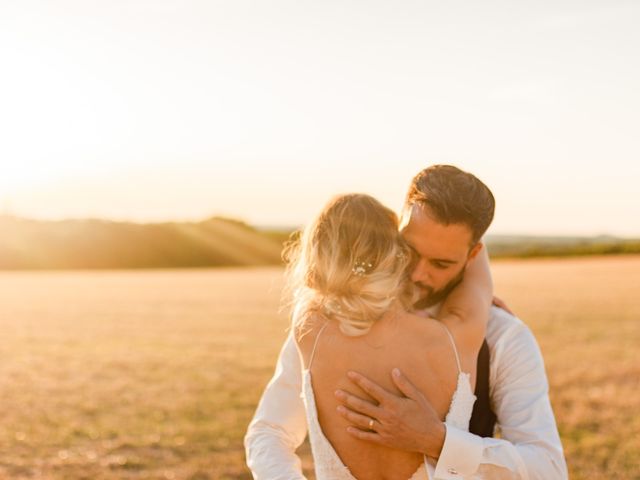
(329, 466)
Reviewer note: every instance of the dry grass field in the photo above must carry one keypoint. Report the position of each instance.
(155, 374)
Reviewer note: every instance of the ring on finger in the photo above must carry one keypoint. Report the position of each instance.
(371, 420)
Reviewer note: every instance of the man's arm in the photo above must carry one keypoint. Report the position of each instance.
(530, 447)
(279, 425)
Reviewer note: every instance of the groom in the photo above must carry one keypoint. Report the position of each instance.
(445, 215)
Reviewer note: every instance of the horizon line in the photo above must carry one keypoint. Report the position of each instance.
(280, 227)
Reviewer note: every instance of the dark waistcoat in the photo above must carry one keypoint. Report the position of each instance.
(483, 420)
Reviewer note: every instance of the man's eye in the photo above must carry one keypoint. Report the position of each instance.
(441, 266)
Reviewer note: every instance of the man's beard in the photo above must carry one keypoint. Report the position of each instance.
(433, 297)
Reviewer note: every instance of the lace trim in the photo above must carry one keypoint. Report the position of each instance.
(326, 460)
(462, 402)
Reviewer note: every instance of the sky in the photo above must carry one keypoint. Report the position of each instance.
(180, 110)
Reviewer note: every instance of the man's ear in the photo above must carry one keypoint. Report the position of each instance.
(475, 250)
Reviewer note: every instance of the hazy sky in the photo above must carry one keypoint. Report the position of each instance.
(154, 110)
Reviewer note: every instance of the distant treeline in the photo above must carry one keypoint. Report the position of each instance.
(215, 242)
(548, 248)
(512, 246)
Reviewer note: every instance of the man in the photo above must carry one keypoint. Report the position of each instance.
(445, 215)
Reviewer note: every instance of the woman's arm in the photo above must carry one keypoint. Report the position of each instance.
(466, 310)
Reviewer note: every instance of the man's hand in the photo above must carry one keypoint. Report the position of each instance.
(407, 423)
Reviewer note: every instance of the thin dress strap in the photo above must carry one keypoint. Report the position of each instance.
(454, 345)
(315, 344)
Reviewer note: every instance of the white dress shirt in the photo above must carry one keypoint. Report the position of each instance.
(529, 449)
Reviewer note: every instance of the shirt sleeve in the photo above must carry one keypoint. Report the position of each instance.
(279, 425)
(529, 447)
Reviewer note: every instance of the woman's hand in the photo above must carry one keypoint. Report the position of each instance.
(498, 302)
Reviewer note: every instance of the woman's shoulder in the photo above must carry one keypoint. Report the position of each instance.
(431, 333)
(422, 322)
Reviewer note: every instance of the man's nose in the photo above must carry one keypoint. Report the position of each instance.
(420, 274)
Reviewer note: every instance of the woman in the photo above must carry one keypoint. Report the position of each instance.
(349, 279)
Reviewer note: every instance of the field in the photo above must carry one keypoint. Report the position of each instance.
(155, 374)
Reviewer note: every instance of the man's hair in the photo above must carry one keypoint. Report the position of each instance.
(453, 196)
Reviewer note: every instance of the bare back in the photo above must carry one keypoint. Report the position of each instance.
(419, 346)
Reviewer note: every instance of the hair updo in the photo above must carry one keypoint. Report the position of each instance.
(350, 265)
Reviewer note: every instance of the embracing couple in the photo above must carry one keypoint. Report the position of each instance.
(398, 364)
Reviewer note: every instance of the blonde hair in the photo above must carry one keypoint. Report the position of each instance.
(350, 265)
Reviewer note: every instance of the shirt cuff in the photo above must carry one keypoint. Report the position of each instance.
(461, 455)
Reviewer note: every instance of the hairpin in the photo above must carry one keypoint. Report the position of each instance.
(361, 268)
(331, 307)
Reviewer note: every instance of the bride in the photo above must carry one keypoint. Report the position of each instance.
(348, 276)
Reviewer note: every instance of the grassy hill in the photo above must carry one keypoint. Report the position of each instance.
(77, 244)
